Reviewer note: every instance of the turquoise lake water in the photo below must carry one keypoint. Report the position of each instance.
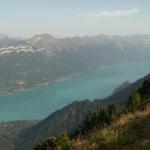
(39, 103)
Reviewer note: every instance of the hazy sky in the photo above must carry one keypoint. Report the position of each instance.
(74, 17)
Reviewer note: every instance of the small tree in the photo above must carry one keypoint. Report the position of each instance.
(62, 142)
(145, 89)
(113, 111)
(133, 102)
(91, 120)
(103, 117)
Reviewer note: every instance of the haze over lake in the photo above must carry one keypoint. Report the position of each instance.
(39, 103)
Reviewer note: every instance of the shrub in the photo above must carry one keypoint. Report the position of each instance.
(133, 102)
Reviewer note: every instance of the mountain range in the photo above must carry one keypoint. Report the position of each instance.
(36, 61)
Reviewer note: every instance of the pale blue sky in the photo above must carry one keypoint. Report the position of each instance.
(74, 17)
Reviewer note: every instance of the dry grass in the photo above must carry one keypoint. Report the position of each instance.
(130, 117)
(131, 130)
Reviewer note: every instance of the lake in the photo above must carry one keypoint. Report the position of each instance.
(39, 103)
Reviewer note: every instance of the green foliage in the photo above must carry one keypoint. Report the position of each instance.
(101, 118)
(113, 111)
(90, 120)
(62, 142)
(108, 138)
(133, 102)
(125, 137)
(145, 89)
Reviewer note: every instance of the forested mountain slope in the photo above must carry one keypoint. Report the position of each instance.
(116, 127)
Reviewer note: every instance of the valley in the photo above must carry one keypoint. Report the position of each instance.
(74, 75)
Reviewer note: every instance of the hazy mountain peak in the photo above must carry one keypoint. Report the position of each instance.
(41, 39)
(43, 36)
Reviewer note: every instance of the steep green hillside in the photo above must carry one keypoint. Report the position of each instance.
(69, 117)
(129, 132)
(112, 128)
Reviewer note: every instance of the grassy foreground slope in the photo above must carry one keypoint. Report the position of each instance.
(129, 132)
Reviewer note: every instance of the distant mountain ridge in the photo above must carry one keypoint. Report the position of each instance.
(30, 63)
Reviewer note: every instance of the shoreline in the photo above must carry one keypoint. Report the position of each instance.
(40, 85)
(59, 79)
